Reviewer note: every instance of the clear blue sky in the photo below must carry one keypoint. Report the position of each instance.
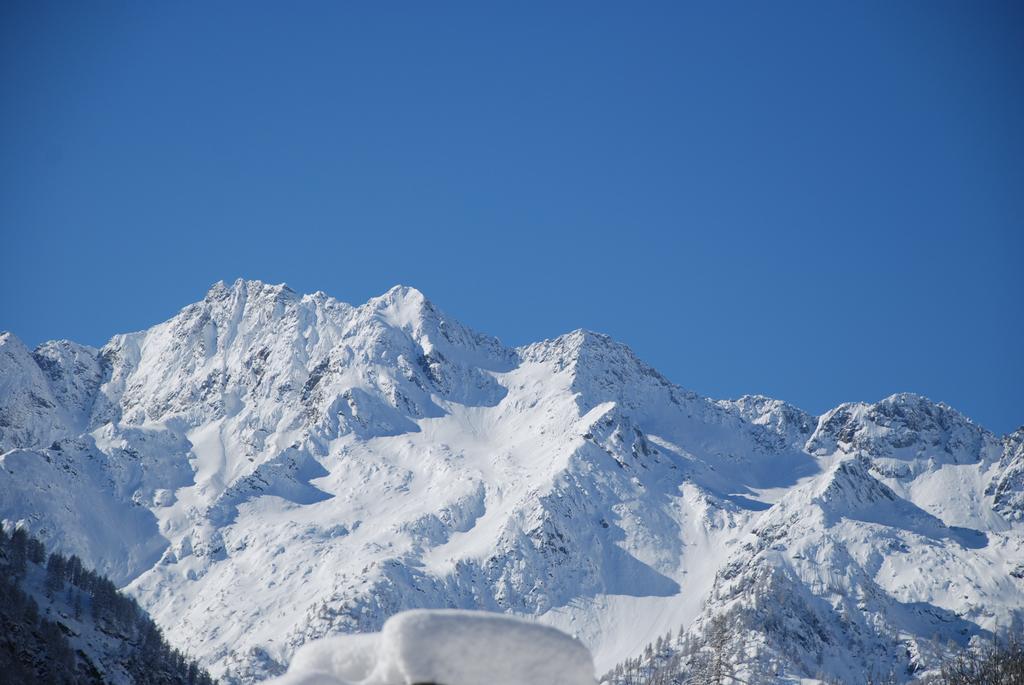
(819, 201)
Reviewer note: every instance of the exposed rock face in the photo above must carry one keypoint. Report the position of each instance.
(1007, 485)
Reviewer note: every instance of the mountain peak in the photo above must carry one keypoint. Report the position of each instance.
(780, 417)
(401, 292)
(8, 338)
(901, 426)
(220, 290)
(576, 345)
(911, 400)
(916, 411)
(850, 482)
(604, 369)
(583, 339)
(403, 305)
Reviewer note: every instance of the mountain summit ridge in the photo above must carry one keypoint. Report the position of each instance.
(305, 467)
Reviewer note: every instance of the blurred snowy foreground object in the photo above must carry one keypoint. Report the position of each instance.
(448, 647)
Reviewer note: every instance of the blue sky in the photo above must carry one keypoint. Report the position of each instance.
(818, 201)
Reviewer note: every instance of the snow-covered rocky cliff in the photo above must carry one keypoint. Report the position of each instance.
(266, 468)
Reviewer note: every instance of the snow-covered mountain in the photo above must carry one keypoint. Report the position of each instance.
(267, 467)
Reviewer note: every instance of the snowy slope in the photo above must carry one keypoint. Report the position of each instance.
(268, 467)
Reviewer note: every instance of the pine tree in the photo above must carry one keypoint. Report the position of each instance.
(31, 612)
(54, 575)
(74, 570)
(36, 550)
(18, 547)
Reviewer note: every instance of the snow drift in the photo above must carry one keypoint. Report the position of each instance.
(445, 646)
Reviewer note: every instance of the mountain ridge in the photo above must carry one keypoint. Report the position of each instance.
(263, 445)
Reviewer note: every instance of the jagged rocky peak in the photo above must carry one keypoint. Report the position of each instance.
(849, 491)
(777, 416)
(903, 426)
(605, 370)
(401, 315)
(252, 344)
(47, 393)
(257, 291)
(581, 347)
(15, 359)
(849, 486)
(404, 300)
(73, 371)
(29, 413)
(15, 355)
(212, 350)
(846, 487)
(767, 410)
(1007, 486)
(438, 335)
(247, 307)
(66, 358)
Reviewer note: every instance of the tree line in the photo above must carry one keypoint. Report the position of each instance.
(711, 659)
(35, 645)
